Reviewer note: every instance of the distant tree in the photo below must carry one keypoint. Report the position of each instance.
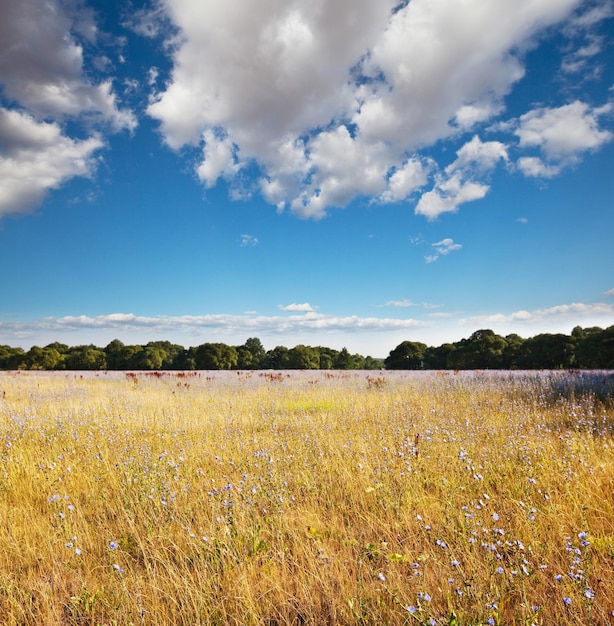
(343, 360)
(483, 350)
(510, 352)
(216, 356)
(85, 358)
(252, 354)
(172, 353)
(277, 358)
(149, 358)
(326, 361)
(437, 358)
(11, 358)
(43, 359)
(303, 358)
(373, 364)
(595, 350)
(115, 355)
(547, 351)
(408, 355)
(357, 362)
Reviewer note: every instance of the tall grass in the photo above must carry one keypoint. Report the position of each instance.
(306, 498)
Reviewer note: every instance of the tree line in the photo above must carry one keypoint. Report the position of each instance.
(164, 355)
(584, 348)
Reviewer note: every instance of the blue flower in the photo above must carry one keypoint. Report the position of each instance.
(113, 545)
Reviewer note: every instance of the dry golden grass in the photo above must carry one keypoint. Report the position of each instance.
(306, 498)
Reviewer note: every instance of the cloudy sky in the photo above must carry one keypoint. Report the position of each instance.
(330, 172)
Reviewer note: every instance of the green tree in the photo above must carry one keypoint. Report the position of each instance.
(343, 361)
(408, 355)
(43, 359)
(438, 358)
(172, 353)
(483, 350)
(303, 358)
(11, 358)
(595, 350)
(252, 354)
(547, 351)
(513, 346)
(216, 356)
(150, 357)
(85, 358)
(277, 358)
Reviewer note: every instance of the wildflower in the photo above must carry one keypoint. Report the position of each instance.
(381, 576)
(411, 609)
(117, 568)
(499, 570)
(589, 593)
(495, 517)
(455, 563)
(113, 545)
(78, 551)
(567, 600)
(432, 621)
(558, 577)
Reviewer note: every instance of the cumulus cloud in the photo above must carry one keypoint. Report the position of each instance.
(41, 64)
(564, 131)
(609, 292)
(448, 195)
(36, 157)
(43, 78)
(333, 100)
(562, 134)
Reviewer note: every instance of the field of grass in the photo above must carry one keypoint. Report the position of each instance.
(272, 498)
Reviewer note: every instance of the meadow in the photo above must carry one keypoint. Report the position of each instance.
(278, 498)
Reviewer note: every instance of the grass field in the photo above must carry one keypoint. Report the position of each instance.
(272, 498)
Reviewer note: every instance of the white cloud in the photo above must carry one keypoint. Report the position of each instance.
(332, 100)
(298, 308)
(443, 247)
(46, 84)
(477, 154)
(404, 181)
(458, 185)
(609, 292)
(562, 133)
(194, 325)
(552, 319)
(249, 241)
(400, 303)
(448, 195)
(219, 158)
(36, 158)
(47, 76)
(536, 168)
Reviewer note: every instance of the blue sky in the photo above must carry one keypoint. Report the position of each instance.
(343, 173)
